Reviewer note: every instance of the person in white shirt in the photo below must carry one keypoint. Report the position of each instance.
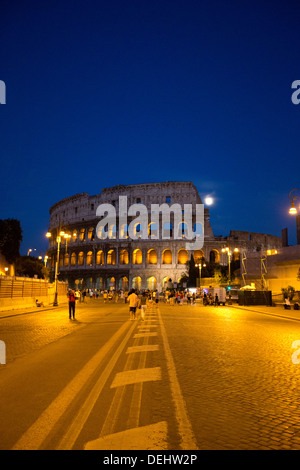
(133, 302)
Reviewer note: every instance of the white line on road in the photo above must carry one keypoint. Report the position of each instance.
(33, 438)
(142, 348)
(188, 440)
(138, 375)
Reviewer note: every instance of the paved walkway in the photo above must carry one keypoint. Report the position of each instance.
(23, 311)
(279, 310)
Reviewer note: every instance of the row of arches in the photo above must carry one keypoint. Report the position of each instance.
(101, 258)
(90, 234)
(111, 283)
(110, 257)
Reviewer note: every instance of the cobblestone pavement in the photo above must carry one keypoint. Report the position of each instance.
(237, 375)
(27, 330)
(233, 365)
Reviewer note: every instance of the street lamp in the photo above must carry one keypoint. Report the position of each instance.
(292, 197)
(229, 253)
(58, 240)
(293, 211)
(200, 265)
(30, 250)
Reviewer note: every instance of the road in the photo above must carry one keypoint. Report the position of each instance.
(187, 378)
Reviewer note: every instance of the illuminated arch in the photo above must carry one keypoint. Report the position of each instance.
(167, 257)
(73, 259)
(66, 259)
(198, 255)
(80, 258)
(123, 283)
(111, 283)
(89, 258)
(100, 257)
(214, 256)
(151, 256)
(182, 256)
(91, 233)
(166, 282)
(151, 283)
(137, 283)
(99, 283)
(82, 234)
(111, 257)
(124, 257)
(137, 257)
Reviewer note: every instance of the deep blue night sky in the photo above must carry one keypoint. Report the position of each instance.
(101, 93)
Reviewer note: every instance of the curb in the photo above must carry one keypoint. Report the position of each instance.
(13, 313)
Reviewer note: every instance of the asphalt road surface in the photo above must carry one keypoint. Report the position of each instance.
(186, 378)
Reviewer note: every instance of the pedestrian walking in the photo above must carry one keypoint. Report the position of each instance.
(133, 303)
(156, 298)
(143, 304)
(72, 300)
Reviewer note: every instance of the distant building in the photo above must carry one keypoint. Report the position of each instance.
(119, 263)
(276, 269)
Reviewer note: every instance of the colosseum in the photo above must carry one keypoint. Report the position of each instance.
(87, 259)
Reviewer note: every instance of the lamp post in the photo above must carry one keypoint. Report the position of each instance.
(293, 211)
(229, 253)
(58, 240)
(30, 250)
(200, 265)
(292, 197)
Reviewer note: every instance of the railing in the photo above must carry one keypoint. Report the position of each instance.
(19, 287)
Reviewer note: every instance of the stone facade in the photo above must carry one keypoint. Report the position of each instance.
(142, 263)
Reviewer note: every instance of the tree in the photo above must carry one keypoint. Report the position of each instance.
(29, 266)
(10, 239)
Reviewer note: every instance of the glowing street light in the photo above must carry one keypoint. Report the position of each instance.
(293, 211)
(61, 235)
(229, 253)
(200, 265)
(292, 197)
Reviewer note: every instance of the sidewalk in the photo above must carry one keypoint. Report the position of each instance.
(23, 311)
(278, 311)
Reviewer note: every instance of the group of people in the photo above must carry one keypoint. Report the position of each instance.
(208, 299)
(133, 298)
(141, 302)
(138, 301)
